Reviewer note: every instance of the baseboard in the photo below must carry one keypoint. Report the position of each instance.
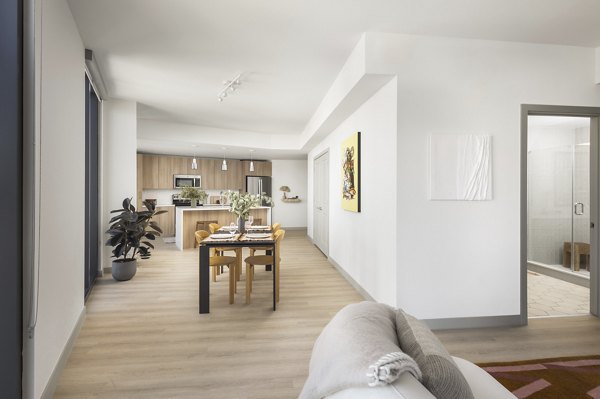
(64, 357)
(474, 322)
(352, 282)
(293, 228)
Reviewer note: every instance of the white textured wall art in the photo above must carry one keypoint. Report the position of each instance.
(460, 167)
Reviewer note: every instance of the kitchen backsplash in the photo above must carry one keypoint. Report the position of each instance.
(164, 197)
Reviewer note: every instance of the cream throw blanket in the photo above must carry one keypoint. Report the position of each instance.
(358, 348)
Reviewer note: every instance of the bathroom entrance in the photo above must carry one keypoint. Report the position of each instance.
(560, 208)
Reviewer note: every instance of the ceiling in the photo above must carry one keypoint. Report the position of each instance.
(172, 57)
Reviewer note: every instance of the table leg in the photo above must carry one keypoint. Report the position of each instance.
(268, 267)
(203, 280)
(232, 276)
(274, 280)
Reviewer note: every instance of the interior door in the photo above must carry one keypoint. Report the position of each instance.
(321, 203)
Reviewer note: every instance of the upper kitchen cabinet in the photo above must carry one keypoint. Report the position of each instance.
(140, 179)
(206, 169)
(261, 168)
(157, 171)
(181, 166)
(166, 165)
(150, 171)
(235, 180)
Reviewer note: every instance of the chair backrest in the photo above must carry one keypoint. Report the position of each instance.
(201, 235)
(275, 227)
(213, 227)
(278, 235)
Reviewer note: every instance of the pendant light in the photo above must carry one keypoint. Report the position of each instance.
(194, 161)
(251, 162)
(224, 164)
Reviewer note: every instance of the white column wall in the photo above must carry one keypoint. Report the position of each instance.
(461, 258)
(291, 173)
(364, 244)
(119, 166)
(60, 184)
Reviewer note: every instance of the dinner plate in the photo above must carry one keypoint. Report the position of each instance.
(221, 236)
(228, 227)
(258, 235)
(260, 227)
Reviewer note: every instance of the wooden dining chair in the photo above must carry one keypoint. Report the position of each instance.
(251, 261)
(203, 225)
(216, 262)
(219, 251)
(274, 228)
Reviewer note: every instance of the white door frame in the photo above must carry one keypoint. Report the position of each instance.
(557, 110)
(322, 244)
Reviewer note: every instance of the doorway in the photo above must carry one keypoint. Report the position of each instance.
(559, 209)
(321, 203)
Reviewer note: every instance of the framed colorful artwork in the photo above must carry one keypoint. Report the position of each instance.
(351, 173)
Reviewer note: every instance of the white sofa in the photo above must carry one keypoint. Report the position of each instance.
(483, 385)
(372, 351)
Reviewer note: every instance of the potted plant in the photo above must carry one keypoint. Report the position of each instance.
(241, 203)
(129, 233)
(194, 194)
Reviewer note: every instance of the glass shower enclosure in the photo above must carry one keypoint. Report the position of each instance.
(558, 193)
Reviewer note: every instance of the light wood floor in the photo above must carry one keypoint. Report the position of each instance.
(145, 339)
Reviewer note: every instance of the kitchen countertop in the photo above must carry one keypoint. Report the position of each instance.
(213, 208)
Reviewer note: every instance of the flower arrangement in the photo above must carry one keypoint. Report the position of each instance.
(241, 203)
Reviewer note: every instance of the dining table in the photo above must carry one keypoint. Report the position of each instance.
(231, 239)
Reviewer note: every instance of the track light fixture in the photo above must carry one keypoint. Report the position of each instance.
(230, 86)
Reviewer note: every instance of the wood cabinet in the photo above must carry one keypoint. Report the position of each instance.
(156, 172)
(166, 221)
(150, 172)
(139, 180)
(206, 167)
(181, 165)
(235, 178)
(261, 168)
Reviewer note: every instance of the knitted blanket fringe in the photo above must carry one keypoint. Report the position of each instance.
(389, 367)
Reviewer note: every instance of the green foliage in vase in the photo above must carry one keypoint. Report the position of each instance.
(241, 203)
(193, 193)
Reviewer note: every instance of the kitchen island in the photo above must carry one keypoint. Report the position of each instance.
(186, 218)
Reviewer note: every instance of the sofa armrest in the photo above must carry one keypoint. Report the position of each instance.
(405, 387)
(483, 385)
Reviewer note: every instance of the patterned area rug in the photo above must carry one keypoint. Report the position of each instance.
(560, 378)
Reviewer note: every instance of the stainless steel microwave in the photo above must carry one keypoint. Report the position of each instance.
(180, 181)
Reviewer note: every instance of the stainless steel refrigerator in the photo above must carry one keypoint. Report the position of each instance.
(258, 185)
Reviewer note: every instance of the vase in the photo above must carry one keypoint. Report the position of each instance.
(123, 269)
(193, 203)
(241, 225)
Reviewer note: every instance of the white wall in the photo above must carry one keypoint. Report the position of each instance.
(460, 258)
(291, 173)
(119, 167)
(61, 189)
(364, 244)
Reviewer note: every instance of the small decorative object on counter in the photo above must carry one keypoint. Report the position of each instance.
(241, 203)
(129, 233)
(194, 194)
